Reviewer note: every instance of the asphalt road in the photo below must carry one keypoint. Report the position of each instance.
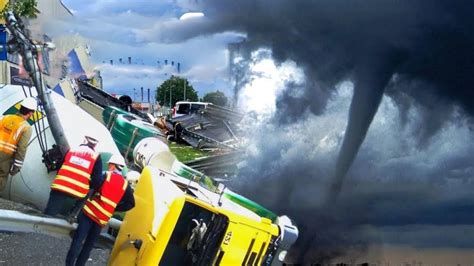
(37, 249)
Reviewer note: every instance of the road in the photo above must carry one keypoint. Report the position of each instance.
(37, 249)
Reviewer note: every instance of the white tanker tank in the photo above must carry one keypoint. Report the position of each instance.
(153, 152)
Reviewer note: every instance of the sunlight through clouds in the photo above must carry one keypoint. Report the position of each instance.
(267, 81)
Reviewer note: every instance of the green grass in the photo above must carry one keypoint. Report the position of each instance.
(186, 153)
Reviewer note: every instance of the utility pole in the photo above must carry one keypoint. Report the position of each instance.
(164, 100)
(170, 92)
(184, 89)
(28, 49)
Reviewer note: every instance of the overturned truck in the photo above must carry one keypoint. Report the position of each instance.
(178, 222)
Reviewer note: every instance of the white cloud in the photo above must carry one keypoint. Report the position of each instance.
(122, 29)
(191, 15)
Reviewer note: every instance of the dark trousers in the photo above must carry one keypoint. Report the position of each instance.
(59, 203)
(87, 230)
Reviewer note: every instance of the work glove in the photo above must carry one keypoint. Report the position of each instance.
(14, 170)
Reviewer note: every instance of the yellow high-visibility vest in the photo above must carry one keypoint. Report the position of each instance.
(11, 130)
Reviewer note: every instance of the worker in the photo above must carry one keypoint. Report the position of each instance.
(114, 194)
(80, 171)
(15, 133)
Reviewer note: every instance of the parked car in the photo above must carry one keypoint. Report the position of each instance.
(185, 108)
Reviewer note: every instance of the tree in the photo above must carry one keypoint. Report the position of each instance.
(21, 8)
(217, 98)
(176, 85)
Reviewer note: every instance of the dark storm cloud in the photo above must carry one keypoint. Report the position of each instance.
(393, 183)
(435, 110)
(426, 40)
(422, 236)
(365, 41)
(417, 157)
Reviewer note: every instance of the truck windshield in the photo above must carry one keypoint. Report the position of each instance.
(191, 240)
(206, 253)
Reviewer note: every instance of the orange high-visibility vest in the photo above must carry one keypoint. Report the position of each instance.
(11, 129)
(102, 206)
(74, 176)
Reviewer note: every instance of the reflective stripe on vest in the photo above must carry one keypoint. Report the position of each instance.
(74, 176)
(102, 206)
(11, 129)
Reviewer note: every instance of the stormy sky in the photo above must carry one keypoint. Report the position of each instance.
(361, 111)
(377, 139)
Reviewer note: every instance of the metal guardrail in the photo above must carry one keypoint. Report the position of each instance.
(15, 221)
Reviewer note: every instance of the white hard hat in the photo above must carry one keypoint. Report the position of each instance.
(133, 176)
(117, 160)
(29, 103)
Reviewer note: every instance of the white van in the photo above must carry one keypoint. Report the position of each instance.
(185, 108)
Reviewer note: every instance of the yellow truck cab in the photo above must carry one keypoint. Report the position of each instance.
(177, 222)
